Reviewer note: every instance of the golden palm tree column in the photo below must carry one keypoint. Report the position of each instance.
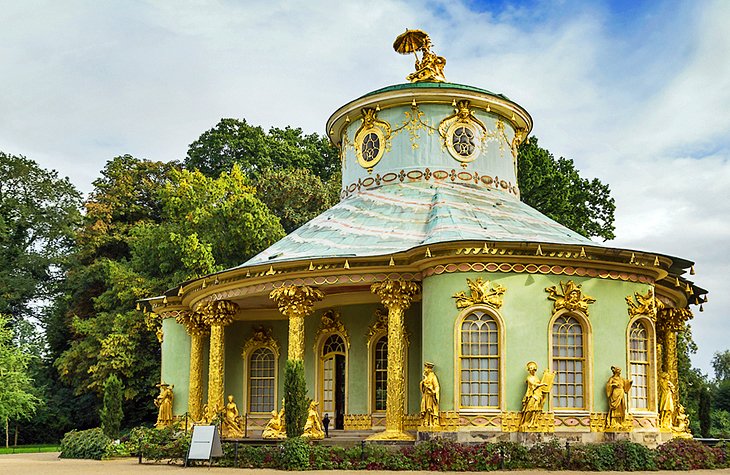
(193, 322)
(296, 302)
(669, 322)
(396, 296)
(217, 314)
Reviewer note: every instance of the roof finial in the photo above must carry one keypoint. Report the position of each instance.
(430, 67)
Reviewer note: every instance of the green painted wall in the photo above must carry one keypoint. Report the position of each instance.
(526, 313)
(176, 362)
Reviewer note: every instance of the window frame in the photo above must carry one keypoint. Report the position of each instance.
(587, 341)
(651, 388)
(501, 355)
(247, 377)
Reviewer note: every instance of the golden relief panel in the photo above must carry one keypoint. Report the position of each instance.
(358, 422)
(331, 323)
(642, 305)
(262, 337)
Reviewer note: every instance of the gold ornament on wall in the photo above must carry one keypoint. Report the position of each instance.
(569, 297)
(372, 139)
(262, 337)
(642, 305)
(331, 323)
(463, 134)
(481, 292)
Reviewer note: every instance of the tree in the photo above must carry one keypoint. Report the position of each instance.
(111, 414)
(721, 365)
(556, 189)
(296, 195)
(17, 394)
(295, 397)
(38, 216)
(234, 141)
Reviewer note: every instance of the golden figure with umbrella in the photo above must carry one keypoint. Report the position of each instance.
(431, 66)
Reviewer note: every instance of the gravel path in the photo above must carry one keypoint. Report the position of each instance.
(49, 463)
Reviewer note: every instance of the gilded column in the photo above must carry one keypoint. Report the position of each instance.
(396, 296)
(296, 302)
(669, 322)
(217, 315)
(197, 330)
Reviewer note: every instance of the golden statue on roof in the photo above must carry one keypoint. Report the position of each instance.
(430, 67)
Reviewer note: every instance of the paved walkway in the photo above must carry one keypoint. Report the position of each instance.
(49, 463)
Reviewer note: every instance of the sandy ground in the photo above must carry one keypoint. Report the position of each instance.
(49, 463)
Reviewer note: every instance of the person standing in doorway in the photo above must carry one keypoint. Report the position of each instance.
(326, 424)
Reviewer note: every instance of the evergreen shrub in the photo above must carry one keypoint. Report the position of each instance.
(296, 404)
(688, 454)
(85, 444)
(295, 454)
(111, 414)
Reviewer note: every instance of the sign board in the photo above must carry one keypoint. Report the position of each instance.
(205, 443)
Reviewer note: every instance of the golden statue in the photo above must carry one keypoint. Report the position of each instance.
(313, 428)
(682, 424)
(535, 396)
(617, 389)
(163, 401)
(276, 427)
(231, 427)
(430, 396)
(666, 402)
(431, 66)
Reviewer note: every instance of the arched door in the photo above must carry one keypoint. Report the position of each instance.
(333, 379)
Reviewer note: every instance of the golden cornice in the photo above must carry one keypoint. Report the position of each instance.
(421, 262)
(352, 111)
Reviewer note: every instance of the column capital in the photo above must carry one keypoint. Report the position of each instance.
(218, 312)
(672, 319)
(296, 300)
(193, 323)
(396, 294)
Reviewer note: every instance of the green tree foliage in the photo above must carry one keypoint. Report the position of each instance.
(556, 189)
(175, 225)
(234, 141)
(111, 413)
(17, 393)
(296, 195)
(295, 397)
(721, 365)
(38, 215)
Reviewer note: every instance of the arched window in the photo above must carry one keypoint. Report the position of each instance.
(380, 373)
(568, 352)
(639, 365)
(479, 361)
(261, 380)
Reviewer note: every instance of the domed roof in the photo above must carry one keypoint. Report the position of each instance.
(398, 217)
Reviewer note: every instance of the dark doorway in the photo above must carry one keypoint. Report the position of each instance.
(339, 391)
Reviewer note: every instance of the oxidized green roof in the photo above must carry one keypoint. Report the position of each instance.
(433, 85)
(399, 217)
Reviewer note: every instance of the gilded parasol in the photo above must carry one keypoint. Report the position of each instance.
(410, 41)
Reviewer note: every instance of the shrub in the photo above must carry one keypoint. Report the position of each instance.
(296, 401)
(685, 454)
(295, 454)
(85, 444)
(550, 455)
(159, 444)
(111, 414)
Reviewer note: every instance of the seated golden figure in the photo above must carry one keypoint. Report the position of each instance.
(276, 427)
(313, 428)
(232, 425)
(431, 66)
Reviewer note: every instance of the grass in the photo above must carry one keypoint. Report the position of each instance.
(27, 449)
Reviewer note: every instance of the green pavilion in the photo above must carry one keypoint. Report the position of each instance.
(430, 260)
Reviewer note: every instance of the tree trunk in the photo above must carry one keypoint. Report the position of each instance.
(15, 443)
(7, 433)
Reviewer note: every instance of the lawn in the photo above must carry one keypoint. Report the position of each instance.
(25, 449)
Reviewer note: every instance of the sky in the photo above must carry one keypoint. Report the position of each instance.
(636, 93)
